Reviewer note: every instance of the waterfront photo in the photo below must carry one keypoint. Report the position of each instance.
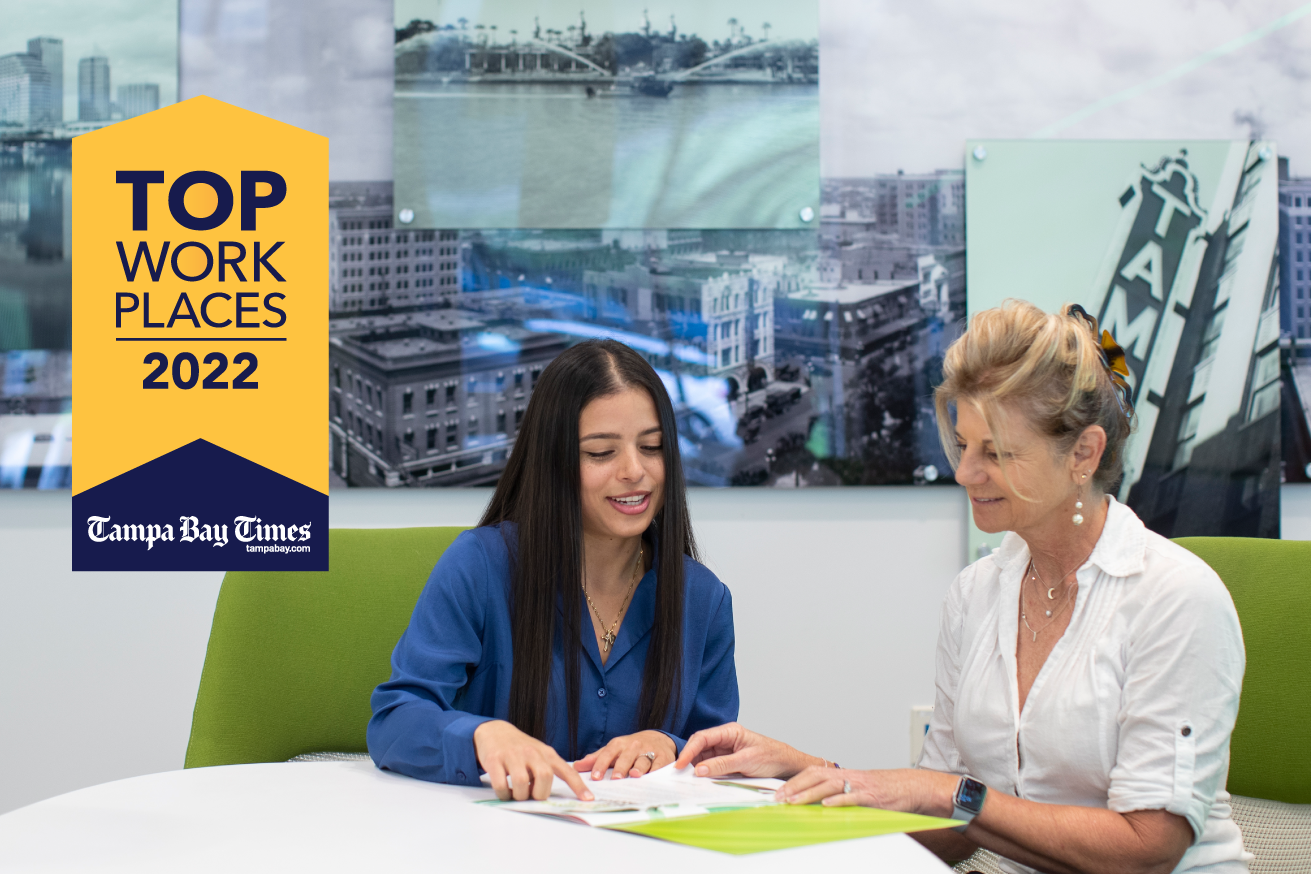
(66, 68)
(617, 114)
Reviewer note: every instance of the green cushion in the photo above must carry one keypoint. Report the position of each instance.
(293, 656)
(1270, 581)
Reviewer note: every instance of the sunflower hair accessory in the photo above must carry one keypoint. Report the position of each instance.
(1113, 359)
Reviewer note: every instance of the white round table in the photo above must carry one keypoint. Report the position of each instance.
(349, 816)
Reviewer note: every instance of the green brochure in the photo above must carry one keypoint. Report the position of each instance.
(757, 829)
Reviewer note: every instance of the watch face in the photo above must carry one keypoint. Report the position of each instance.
(969, 794)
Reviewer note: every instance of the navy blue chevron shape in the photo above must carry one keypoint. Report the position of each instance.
(215, 486)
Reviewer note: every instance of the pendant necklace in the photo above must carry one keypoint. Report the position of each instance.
(608, 639)
(1052, 610)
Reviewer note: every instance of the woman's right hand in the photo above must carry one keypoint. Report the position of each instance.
(506, 752)
(732, 749)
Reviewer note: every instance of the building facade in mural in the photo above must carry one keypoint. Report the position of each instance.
(429, 397)
(1295, 305)
(890, 297)
(720, 304)
(377, 268)
(137, 98)
(31, 86)
(93, 103)
(923, 208)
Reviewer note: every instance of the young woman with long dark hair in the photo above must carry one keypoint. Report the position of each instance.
(575, 618)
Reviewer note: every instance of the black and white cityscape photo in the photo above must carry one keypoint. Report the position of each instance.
(1295, 303)
(794, 359)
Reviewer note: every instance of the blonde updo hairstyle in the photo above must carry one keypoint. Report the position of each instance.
(1045, 367)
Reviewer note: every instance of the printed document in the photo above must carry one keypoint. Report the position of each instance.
(662, 794)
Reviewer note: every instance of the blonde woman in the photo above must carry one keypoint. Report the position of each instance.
(1088, 671)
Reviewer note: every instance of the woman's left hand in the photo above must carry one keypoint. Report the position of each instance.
(628, 755)
(908, 790)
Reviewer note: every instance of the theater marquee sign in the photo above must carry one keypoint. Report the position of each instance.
(1155, 262)
(200, 327)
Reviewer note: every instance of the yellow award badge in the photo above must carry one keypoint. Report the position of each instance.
(200, 327)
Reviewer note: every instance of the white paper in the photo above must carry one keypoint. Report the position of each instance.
(664, 793)
(666, 787)
(601, 814)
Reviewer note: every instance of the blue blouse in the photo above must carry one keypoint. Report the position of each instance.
(451, 668)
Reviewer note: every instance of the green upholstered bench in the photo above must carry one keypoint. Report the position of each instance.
(1270, 753)
(294, 656)
(1270, 582)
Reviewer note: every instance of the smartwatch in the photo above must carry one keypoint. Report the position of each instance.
(967, 801)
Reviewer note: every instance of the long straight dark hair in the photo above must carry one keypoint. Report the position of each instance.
(540, 492)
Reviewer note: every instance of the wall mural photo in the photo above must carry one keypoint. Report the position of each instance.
(66, 68)
(820, 370)
(607, 113)
(788, 367)
(1012, 69)
(1175, 253)
(796, 357)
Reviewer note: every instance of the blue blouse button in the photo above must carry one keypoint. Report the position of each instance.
(600, 693)
(459, 775)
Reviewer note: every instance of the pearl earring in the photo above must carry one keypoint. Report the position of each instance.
(1078, 505)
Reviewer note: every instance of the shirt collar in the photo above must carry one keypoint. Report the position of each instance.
(1120, 551)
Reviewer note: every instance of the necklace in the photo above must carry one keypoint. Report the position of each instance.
(1051, 596)
(1024, 617)
(608, 639)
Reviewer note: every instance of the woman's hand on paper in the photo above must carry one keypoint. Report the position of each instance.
(520, 766)
(909, 790)
(628, 757)
(732, 749)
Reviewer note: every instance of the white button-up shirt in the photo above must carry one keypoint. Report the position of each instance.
(1133, 708)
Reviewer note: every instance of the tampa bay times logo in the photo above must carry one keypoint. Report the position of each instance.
(250, 530)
